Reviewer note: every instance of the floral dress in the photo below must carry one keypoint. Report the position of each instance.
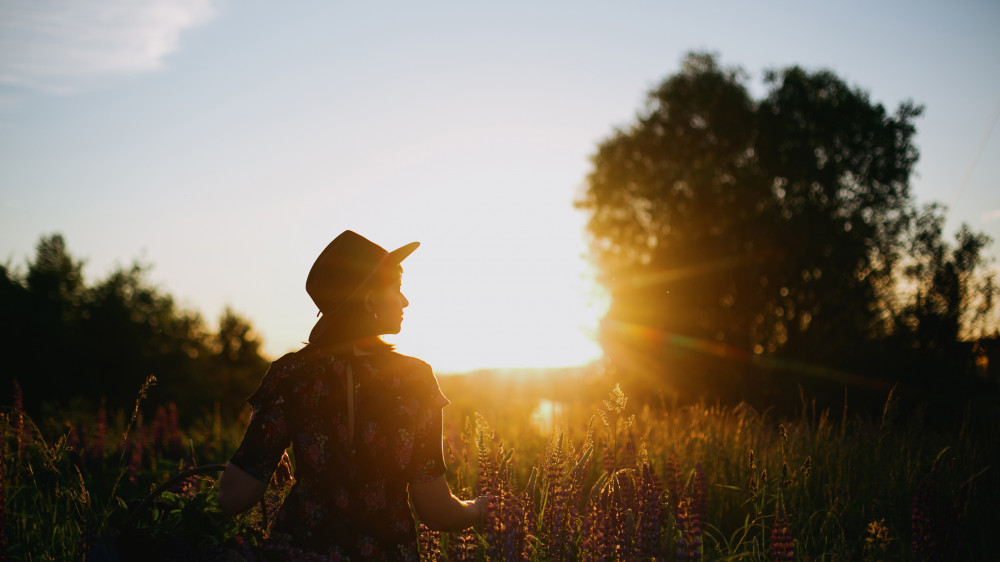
(349, 500)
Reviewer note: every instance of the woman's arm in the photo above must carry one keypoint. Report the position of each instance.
(238, 491)
(440, 510)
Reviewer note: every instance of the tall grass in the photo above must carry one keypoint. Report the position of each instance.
(611, 481)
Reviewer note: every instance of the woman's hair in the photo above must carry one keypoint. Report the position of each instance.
(353, 321)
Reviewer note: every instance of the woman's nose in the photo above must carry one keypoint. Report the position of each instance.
(402, 300)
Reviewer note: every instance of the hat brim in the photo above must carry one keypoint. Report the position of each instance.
(400, 254)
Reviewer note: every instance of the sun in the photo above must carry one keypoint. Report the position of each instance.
(518, 306)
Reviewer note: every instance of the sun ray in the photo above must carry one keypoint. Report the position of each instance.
(642, 336)
(634, 282)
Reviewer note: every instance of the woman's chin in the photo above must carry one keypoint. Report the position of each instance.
(392, 330)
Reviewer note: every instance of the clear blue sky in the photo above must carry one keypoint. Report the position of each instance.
(227, 142)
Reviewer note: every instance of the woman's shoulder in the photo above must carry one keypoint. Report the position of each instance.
(302, 363)
(405, 361)
(410, 377)
(402, 366)
(293, 370)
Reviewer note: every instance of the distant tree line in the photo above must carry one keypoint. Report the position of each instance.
(751, 245)
(68, 343)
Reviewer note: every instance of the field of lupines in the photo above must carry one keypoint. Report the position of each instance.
(569, 481)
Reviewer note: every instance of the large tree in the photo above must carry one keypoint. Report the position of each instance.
(733, 232)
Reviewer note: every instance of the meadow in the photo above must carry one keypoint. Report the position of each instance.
(577, 469)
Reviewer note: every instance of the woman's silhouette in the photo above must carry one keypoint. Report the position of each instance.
(364, 422)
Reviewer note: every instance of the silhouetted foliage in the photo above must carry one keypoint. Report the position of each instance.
(773, 237)
(66, 342)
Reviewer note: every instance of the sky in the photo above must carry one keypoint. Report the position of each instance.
(226, 143)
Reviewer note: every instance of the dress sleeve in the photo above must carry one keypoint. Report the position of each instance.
(428, 457)
(267, 435)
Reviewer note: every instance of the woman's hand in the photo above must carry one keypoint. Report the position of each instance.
(440, 510)
(482, 505)
(238, 491)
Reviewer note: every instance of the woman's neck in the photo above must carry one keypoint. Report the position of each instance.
(370, 345)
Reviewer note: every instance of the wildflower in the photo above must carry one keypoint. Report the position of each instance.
(689, 525)
(877, 536)
(18, 421)
(160, 430)
(806, 468)
(429, 543)
(610, 524)
(609, 460)
(629, 455)
(529, 518)
(699, 494)
(672, 481)
(590, 538)
(461, 546)
(650, 514)
(174, 441)
(782, 542)
(99, 442)
(184, 487)
(135, 446)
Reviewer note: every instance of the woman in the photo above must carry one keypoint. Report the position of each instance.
(364, 422)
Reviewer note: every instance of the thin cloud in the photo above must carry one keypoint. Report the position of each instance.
(991, 216)
(54, 44)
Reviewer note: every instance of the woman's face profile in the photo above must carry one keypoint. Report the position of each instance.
(387, 307)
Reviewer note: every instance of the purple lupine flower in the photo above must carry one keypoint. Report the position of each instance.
(589, 532)
(18, 421)
(609, 460)
(462, 546)
(492, 528)
(135, 446)
(629, 454)
(699, 495)
(555, 515)
(429, 543)
(672, 481)
(488, 485)
(529, 520)
(782, 541)
(611, 525)
(160, 431)
(174, 440)
(650, 515)
(512, 533)
(689, 543)
(99, 442)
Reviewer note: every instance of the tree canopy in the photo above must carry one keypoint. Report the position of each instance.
(65, 341)
(738, 235)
